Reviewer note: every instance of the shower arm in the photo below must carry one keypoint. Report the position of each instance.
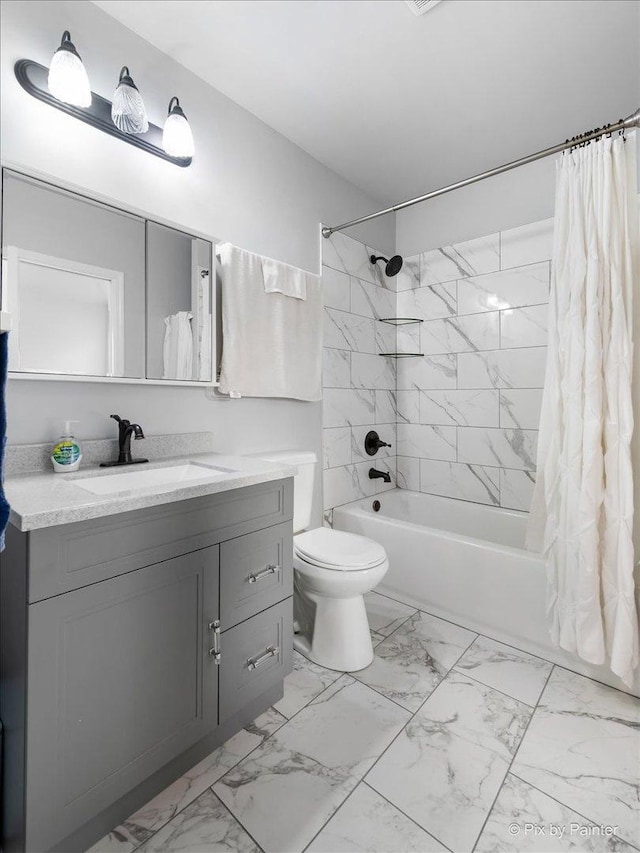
(623, 124)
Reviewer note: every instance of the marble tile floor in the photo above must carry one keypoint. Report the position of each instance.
(448, 741)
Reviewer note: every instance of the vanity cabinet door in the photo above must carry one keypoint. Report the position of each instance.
(120, 682)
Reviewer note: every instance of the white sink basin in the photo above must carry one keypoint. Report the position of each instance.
(146, 478)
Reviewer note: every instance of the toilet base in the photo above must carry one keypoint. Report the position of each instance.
(340, 637)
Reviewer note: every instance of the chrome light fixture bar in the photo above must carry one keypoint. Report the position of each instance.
(33, 78)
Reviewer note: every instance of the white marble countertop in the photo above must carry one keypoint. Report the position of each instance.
(47, 499)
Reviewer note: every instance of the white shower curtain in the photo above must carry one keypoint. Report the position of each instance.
(582, 512)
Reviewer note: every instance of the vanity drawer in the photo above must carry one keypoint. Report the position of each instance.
(71, 556)
(256, 571)
(255, 656)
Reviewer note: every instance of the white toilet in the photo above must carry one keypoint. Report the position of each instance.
(333, 570)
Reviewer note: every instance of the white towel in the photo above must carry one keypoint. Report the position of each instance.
(285, 279)
(177, 352)
(272, 344)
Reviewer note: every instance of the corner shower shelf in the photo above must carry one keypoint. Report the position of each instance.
(400, 321)
(401, 354)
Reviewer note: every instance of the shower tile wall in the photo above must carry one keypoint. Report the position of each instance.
(468, 411)
(359, 385)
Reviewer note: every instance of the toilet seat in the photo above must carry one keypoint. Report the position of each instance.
(336, 550)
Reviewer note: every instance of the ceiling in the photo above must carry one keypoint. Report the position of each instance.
(400, 104)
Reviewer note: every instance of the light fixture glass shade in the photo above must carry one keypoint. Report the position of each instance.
(127, 110)
(68, 80)
(177, 139)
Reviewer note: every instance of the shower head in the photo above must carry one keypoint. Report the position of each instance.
(393, 265)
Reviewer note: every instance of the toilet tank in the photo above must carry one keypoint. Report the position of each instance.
(306, 462)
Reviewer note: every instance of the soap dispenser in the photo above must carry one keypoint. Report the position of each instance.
(67, 453)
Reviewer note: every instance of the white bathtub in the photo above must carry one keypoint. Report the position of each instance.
(464, 562)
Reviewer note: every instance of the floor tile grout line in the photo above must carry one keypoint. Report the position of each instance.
(233, 817)
(332, 815)
(410, 720)
(209, 787)
(464, 673)
(513, 758)
(566, 806)
(414, 822)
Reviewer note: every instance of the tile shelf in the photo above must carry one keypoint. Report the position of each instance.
(401, 354)
(400, 321)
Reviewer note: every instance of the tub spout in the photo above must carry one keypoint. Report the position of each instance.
(379, 475)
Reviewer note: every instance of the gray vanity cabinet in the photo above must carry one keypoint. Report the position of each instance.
(127, 662)
(130, 647)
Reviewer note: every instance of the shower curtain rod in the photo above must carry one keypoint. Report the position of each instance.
(631, 121)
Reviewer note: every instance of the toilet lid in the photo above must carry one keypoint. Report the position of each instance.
(335, 549)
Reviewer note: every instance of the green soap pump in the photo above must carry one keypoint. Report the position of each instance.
(67, 453)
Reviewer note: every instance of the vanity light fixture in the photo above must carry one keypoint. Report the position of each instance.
(127, 110)
(177, 139)
(68, 80)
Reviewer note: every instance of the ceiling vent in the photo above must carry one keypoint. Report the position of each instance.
(419, 7)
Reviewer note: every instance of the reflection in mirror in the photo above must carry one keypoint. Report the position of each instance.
(179, 309)
(73, 280)
(68, 317)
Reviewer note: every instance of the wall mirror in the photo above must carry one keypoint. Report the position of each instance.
(179, 309)
(98, 292)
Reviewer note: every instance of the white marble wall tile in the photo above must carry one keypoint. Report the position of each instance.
(424, 440)
(435, 371)
(519, 368)
(387, 432)
(409, 406)
(445, 769)
(347, 407)
(509, 670)
(503, 448)
(408, 473)
(475, 407)
(507, 289)
(372, 371)
(582, 748)
(351, 482)
(348, 331)
(305, 681)
(385, 412)
(336, 289)
(366, 821)
(408, 338)
(385, 337)
(336, 368)
(204, 825)
(461, 334)
(371, 300)
(520, 407)
(457, 480)
(472, 257)
(336, 446)
(428, 303)
(523, 806)
(414, 659)
(526, 244)
(409, 275)
(286, 790)
(343, 253)
(516, 489)
(524, 327)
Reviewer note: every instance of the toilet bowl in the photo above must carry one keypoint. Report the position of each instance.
(333, 570)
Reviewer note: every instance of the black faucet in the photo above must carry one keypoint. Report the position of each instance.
(125, 430)
(379, 475)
